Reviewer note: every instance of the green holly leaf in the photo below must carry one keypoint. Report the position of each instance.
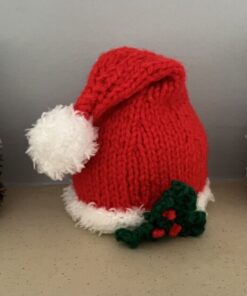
(179, 198)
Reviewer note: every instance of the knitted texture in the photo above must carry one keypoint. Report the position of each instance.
(173, 214)
(149, 133)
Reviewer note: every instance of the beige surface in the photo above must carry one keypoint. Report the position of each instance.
(41, 253)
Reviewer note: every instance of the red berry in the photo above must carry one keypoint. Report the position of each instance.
(175, 230)
(158, 233)
(170, 214)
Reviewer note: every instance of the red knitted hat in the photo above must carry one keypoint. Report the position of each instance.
(135, 123)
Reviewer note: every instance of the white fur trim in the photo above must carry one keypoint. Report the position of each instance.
(108, 221)
(61, 142)
(99, 219)
(204, 197)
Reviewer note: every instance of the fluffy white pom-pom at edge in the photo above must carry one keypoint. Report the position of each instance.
(61, 142)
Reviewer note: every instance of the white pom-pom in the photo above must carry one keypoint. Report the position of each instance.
(61, 142)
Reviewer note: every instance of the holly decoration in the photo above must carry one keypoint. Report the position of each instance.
(174, 214)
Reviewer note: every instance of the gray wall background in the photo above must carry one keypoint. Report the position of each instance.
(47, 48)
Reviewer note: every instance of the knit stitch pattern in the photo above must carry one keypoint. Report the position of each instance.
(149, 132)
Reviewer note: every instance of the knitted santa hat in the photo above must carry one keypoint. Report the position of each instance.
(131, 132)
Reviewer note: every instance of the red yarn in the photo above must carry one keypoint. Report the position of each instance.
(149, 133)
(158, 233)
(170, 214)
(175, 229)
